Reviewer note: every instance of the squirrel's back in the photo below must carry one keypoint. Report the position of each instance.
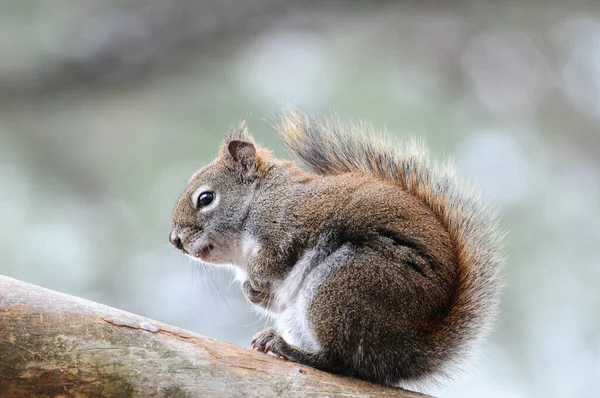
(328, 147)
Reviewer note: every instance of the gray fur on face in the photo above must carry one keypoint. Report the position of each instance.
(222, 226)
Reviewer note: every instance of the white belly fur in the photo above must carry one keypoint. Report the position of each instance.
(295, 294)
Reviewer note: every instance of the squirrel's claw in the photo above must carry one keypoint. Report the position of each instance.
(268, 341)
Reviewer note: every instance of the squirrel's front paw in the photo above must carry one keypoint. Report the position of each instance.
(269, 341)
(259, 296)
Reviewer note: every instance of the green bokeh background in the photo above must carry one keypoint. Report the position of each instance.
(107, 108)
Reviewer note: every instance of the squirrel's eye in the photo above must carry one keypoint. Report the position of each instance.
(205, 199)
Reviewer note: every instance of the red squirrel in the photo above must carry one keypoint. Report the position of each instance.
(373, 261)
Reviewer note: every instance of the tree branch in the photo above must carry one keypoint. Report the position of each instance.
(55, 344)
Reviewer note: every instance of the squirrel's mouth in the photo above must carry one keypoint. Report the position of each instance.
(205, 250)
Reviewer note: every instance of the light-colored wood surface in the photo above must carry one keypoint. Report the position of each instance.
(53, 344)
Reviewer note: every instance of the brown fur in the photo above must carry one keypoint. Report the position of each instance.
(409, 256)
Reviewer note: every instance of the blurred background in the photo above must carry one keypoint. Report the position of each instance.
(107, 108)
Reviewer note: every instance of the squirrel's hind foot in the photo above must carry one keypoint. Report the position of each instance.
(268, 341)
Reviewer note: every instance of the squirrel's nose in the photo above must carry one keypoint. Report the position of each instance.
(176, 240)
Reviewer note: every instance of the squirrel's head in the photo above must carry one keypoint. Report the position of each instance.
(210, 216)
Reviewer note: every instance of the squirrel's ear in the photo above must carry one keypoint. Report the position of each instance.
(239, 153)
(242, 154)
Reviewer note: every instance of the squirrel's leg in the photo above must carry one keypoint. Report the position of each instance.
(259, 295)
(264, 268)
(270, 341)
(261, 272)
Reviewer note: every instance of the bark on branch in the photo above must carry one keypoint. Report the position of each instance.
(52, 344)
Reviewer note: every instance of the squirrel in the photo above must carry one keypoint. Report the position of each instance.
(374, 261)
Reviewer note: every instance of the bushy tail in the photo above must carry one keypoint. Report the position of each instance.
(329, 147)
